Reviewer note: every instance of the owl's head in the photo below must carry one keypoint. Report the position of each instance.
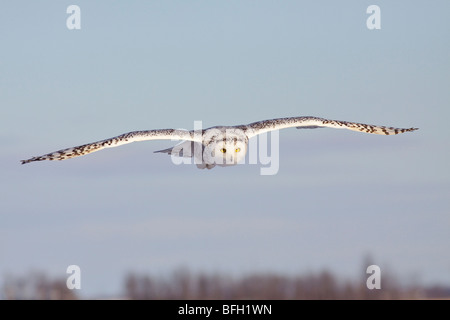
(226, 149)
(230, 153)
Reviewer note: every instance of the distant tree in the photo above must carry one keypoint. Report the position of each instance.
(36, 286)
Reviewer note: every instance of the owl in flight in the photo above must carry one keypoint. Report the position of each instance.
(219, 145)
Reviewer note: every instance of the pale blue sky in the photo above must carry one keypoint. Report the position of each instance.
(338, 195)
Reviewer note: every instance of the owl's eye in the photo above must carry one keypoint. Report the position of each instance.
(223, 150)
(237, 149)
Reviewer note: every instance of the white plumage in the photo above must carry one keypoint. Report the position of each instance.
(219, 145)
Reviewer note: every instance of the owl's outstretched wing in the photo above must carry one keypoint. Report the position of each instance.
(259, 127)
(160, 134)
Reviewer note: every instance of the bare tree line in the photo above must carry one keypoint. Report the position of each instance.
(183, 284)
(324, 285)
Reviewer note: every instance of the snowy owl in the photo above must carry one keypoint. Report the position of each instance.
(219, 145)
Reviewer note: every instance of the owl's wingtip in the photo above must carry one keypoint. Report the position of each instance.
(29, 160)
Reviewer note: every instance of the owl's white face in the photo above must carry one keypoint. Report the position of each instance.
(225, 149)
(229, 153)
